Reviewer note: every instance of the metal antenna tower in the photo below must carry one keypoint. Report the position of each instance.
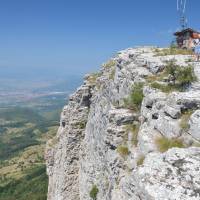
(181, 6)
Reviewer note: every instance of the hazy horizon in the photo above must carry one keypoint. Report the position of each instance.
(55, 39)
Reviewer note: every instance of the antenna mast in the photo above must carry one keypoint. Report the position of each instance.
(181, 6)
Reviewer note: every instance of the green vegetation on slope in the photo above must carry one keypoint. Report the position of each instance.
(163, 143)
(23, 136)
(19, 114)
(33, 186)
(94, 191)
(177, 78)
(21, 128)
(172, 51)
(135, 98)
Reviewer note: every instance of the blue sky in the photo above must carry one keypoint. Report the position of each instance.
(67, 37)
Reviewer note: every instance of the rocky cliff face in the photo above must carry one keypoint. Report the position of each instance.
(107, 150)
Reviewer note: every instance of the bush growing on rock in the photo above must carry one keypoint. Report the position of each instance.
(179, 78)
(93, 192)
(81, 124)
(137, 95)
(134, 101)
(171, 69)
(122, 150)
(185, 76)
(163, 143)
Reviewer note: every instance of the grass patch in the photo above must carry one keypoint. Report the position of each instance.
(172, 51)
(140, 160)
(185, 119)
(196, 144)
(164, 88)
(93, 192)
(163, 143)
(135, 98)
(93, 78)
(123, 150)
(151, 79)
(134, 129)
(109, 64)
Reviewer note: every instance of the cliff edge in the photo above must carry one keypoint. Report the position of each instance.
(131, 131)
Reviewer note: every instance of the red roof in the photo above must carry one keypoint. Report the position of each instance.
(185, 31)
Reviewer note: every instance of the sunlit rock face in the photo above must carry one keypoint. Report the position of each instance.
(127, 153)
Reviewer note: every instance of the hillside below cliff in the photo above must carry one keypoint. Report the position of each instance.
(131, 131)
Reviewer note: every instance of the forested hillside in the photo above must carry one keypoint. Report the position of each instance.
(23, 135)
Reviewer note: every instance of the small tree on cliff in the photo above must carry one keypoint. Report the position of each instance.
(93, 192)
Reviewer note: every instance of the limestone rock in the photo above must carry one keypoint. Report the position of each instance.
(194, 124)
(146, 139)
(174, 113)
(102, 143)
(172, 175)
(169, 128)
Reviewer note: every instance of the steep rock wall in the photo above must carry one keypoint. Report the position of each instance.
(95, 145)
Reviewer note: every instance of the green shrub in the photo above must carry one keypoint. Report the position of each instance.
(33, 186)
(171, 68)
(140, 160)
(137, 94)
(181, 78)
(93, 192)
(134, 101)
(122, 150)
(163, 143)
(80, 124)
(185, 76)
